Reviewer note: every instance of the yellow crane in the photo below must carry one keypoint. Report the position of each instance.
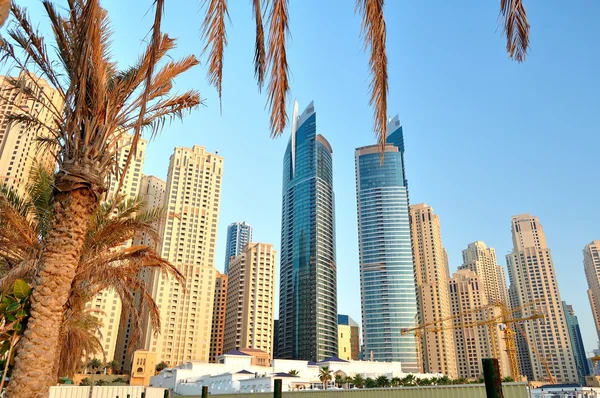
(505, 319)
(543, 359)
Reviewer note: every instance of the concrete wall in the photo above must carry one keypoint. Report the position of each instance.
(511, 390)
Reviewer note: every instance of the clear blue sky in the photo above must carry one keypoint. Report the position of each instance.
(486, 138)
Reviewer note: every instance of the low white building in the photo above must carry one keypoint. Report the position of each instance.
(235, 373)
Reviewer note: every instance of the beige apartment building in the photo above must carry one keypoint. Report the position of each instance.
(481, 259)
(218, 318)
(591, 265)
(19, 147)
(533, 280)
(189, 238)
(152, 191)
(348, 338)
(108, 300)
(474, 339)
(433, 300)
(250, 299)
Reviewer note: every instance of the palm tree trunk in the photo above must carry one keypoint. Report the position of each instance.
(35, 364)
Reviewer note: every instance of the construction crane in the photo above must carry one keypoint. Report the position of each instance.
(543, 359)
(505, 319)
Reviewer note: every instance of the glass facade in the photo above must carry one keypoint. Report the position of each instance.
(239, 234)
(308, 294)
(583, 368)
(388, 295)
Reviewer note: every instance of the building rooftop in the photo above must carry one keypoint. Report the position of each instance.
(236, 352)
(333, 359)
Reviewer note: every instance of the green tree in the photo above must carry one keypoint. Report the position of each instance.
(396, 382)
(325, 375)
(98, 105)
(113, 366)
(424, 381)
(370, 383)
(409, 380)
(460, 380)
(106, 261)
(358, 381)
(339, 380)
(382, 381)
(293, 372)
(160, 366)
(444, 381)
(84, 382)
(508, 379)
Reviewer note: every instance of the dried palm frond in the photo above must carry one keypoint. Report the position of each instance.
(516, 28)
(213, 31)
(278, 66)
(374, 32)
(260, 62)
(80, 335)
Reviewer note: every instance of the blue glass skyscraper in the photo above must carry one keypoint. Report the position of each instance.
(388, 295)
(239, 234)
(583, 368)
(307, 295)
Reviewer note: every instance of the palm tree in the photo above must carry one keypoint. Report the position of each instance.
(339, 380)
(370, 383)
(101, 104)
(271, 59)
(106, 261)
(113, 366)
(293, 372)
(409, 380)
(358, 380)
(382, 381)
(160, 366)
(325, 375)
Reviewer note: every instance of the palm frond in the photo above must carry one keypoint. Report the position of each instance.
(516, 28)
(260, 61)
(278, 66)
(374, 33)
(213, 31)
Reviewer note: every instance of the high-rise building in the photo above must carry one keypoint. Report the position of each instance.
(152, 192)
(388, 297)
(433, 300)
(108, 300)
(591, 265)
(308, 287)
(217, 332)
(19, 146)
(239, 234)
(251, 299)
(583, 368)
(473, 343)
(348, 338)
(533, 280)
(189, 238)
(481, 259)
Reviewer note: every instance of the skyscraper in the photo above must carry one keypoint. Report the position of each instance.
(238, 236)
(591, 266)
(189, 236)
(433, 300)
(19, 147)
(217, 332)
(308, 290)
(480, 259)
(348, 338)
(579, 354)
(108, 301)
(152, 192)
(533, 280)
(251, 299)
(473, 343)
(388, 297)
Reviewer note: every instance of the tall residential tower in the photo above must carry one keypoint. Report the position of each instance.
(387, 282)
(533, 280)
(481, 259)
(189, 238)
(433, 300)
(239, 234)
(308, 290)
(591, 266)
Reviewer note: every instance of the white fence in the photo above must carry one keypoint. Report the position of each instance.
(105, 392)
